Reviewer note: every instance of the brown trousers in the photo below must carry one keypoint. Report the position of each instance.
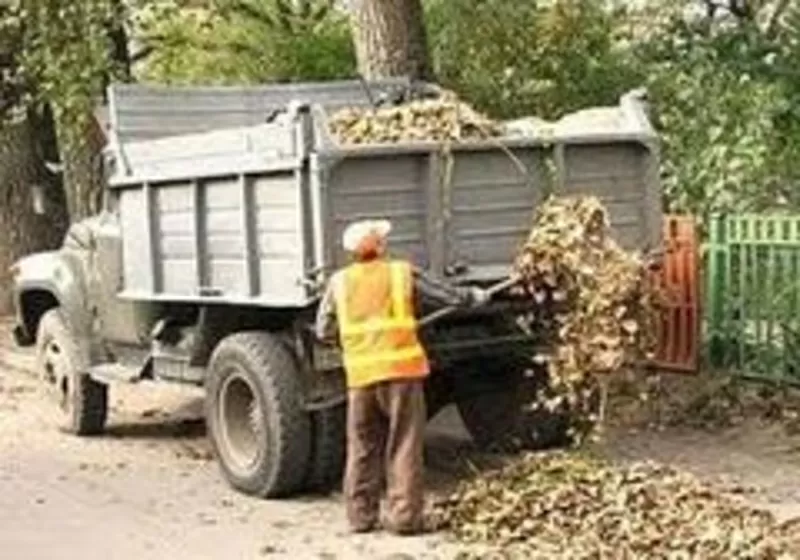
(385, 424)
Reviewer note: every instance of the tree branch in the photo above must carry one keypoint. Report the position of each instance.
(711, 9)
(142, 53)
(741, 9)
(246, 10)
(771, 29)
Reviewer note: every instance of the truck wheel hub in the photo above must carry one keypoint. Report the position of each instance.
(56, 376)
(242, 422)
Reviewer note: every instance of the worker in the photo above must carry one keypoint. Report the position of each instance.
(369, 307)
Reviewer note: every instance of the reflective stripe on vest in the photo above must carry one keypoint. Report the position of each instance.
(377, 327)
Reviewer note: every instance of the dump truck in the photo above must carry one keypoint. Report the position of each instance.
(222, 218)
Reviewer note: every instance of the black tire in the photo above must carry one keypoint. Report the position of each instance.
(254, 410)
(438, 392)
(501, 419)
(496, 422)
(81, 402)
(328, 440)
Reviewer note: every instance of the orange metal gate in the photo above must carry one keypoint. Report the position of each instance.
(679, 277)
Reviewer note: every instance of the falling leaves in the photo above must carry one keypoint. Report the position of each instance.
(596, 298)
(564, 505)
(444, 119)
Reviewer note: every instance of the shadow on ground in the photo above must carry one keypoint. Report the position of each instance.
(167, 429)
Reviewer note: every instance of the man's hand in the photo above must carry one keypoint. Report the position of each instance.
(479, 296)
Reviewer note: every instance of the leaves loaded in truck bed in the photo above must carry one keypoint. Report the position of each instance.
(564, 505)
(598, 301)
(442, 119)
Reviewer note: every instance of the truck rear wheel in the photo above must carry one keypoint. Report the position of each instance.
(326, 467)
(254, 410)
(497, 422)
(501, 419)
(81, 403)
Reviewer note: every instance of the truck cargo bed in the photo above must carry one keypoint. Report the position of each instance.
(248, 213)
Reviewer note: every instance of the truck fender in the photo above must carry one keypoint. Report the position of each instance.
(46, 280)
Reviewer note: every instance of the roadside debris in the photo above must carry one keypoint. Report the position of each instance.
(709, 401)
(566, 505)
(442, 119)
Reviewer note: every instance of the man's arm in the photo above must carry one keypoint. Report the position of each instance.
(434, 291)
(326, 327)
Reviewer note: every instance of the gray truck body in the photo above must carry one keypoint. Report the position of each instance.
(226, 205)
(223, 219)
(251, 213)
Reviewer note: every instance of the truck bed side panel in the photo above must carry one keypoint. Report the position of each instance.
(236, 238)
(494, 194)
(474, 206)
(390, 187)
(617, 173)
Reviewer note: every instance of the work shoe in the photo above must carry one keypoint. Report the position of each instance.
(365, 527)
(420, 527)
(404, 530)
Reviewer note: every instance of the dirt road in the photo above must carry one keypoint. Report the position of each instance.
(148, 489)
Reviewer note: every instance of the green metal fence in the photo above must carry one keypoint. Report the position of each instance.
(753, 295)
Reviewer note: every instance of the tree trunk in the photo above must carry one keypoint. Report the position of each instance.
(81, 154)
(118, 39)
(22, 231)
(390, 39)
(83, 178)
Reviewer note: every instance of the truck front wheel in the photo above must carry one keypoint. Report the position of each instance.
(81, 403)
(259, 429)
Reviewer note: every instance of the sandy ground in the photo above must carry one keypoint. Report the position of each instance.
(148, 489)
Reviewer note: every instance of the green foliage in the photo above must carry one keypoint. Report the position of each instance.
(717, 94)
(13, 85)
(61, 54)
(514, 57)
(788, 117)
(56, 57)
(246, 41)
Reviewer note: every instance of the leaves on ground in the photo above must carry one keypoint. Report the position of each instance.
(568, 505)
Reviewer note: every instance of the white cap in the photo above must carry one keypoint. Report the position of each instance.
(356, 232)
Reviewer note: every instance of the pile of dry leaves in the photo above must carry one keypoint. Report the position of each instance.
(445, 119)
(561, 505)
(598, 298)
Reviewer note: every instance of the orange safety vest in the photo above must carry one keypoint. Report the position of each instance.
(377, 327)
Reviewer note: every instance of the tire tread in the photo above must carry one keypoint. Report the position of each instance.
(326, 466)
(273, 363)
(90, 409)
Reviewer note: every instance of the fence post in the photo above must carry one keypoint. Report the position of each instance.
(715, 287)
